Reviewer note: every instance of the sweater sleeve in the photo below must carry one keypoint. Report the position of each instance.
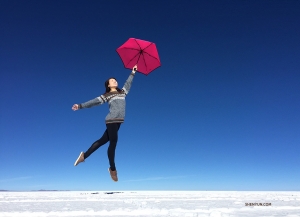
(128, 83)
(97, 101)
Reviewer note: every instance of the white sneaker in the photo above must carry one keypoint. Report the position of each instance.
(79, 159)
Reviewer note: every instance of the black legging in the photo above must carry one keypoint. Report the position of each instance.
(111, 135)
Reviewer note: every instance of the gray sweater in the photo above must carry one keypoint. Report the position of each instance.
(116, 102)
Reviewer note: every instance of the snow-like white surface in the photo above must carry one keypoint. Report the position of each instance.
(155, 203)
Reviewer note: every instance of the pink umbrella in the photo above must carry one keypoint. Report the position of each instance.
(143, 53)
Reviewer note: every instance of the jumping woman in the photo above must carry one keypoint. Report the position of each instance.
(116, 100)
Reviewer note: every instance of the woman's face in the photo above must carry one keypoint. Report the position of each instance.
(112, 83)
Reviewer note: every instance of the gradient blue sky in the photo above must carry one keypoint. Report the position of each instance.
(221, 113)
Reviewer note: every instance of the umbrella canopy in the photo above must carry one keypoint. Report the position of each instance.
(143, 53)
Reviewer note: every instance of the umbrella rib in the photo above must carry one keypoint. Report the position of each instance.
(140, 50)
(148, 45)
(150, 55)
(138, 44)
(133, 58)
(144, 49)
(145, 62)
(130, 48)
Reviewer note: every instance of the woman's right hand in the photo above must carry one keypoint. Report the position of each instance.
(134, 69)
(75, 107)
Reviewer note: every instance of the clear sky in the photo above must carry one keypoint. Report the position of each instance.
(221, 113)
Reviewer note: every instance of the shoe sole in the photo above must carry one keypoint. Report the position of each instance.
(76, 162)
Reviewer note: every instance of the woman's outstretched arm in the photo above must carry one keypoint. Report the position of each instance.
(128, 82)
(97, 101)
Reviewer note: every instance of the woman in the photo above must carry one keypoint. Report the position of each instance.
(116, 100)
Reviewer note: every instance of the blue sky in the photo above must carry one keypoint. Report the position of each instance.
(221, 113)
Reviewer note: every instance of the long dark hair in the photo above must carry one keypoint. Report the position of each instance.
(107, 89)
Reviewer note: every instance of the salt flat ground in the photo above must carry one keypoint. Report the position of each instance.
(151, 203)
